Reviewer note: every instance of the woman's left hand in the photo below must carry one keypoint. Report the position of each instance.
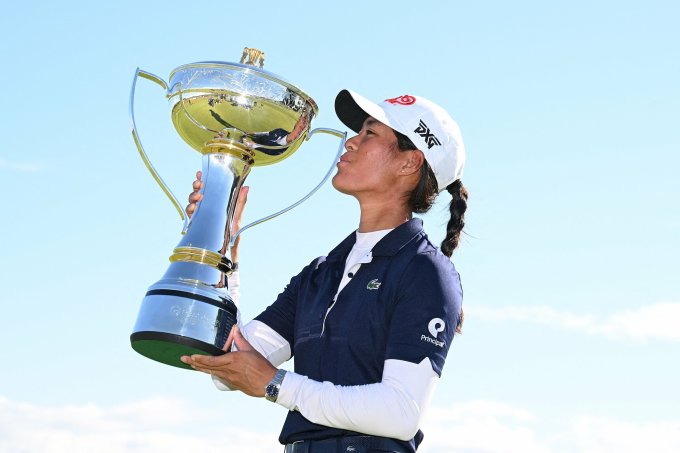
(245, 369)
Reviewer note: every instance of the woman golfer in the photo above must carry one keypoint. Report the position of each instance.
(370, 323)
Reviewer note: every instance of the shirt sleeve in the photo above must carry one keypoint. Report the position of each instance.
(392, 408)
(426, 311)
(267, 342)
(280, 316)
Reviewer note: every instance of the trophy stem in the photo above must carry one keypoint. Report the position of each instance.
(223, 176)
(189, 310)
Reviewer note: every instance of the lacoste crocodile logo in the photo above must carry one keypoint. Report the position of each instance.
(373, 284)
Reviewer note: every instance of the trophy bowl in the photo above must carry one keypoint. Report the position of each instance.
(237, 117)
(216, 103)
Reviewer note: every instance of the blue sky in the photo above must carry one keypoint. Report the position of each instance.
(570, 114)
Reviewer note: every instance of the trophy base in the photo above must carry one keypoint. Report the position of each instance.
(176, 320)
(167, 348)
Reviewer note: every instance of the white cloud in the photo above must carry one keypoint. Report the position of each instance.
(25, 167)
(602, 435)
(165, 425)
(494, 427)
(480, 427)
(651, 322)
(173, 425)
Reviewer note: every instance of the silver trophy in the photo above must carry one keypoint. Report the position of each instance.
(238, 116)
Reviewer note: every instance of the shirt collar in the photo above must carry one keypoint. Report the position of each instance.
(394, 241)
(398, 238)
(342, 250)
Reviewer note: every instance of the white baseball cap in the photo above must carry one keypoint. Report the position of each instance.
(425, 123)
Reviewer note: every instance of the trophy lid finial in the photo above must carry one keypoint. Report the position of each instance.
(252, 56)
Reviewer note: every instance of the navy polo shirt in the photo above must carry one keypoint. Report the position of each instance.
(402, 305)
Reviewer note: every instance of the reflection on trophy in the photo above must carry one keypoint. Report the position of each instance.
(238, 117)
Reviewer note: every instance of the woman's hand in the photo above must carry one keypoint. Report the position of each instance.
(196, 195)
(245, 369)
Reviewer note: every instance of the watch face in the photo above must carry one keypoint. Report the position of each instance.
(272, 391)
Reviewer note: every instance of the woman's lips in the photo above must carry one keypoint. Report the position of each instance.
(343, 160)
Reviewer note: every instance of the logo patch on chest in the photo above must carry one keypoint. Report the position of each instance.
(373, 284)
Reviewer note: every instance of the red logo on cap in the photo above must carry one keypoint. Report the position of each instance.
(406, 99)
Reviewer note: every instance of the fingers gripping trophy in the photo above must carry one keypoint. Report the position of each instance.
(237, 116)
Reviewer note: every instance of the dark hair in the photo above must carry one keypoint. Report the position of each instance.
(423, 196)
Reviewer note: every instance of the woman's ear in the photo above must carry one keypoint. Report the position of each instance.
(414, 160)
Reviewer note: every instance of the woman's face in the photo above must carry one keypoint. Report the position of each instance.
(371, 162)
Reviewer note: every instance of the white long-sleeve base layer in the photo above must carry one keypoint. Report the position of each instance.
(392, 407)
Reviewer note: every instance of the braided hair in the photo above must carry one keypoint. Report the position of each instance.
(423, 196)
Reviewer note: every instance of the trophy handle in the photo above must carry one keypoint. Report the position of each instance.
(321, 130)
(140, 148)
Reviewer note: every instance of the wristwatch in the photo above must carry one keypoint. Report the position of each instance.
(271, 390)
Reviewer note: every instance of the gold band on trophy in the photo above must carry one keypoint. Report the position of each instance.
(202, 256)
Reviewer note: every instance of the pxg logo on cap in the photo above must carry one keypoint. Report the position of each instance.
(424, 131)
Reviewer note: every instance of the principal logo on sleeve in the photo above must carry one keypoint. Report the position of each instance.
(435, 326)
